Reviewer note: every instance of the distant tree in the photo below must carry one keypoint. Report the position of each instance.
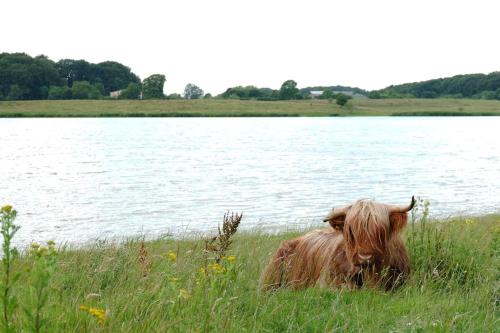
(62, 92)
(428, 94)
(249, 92)
(114, 76)
(226, 93)
(43, 92)
(106, 76)
(32, 77)
(43, 75)
(238, 92)
(15, 93)
(84, 90)
(152, 86)
(288, 90)
(497, 94)
(342, 99)
(457, 86)
(305, 95)
(374, 95)
(268, 94)
(174, 96)
(101, 88)
(133, 91)
(25, 77)
(76, 70)
(253, 92)
(207, 96)
(81, 90)
(192, 91)
(327, 94)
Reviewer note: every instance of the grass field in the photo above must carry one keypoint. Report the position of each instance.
(162, 287)
(236, 108)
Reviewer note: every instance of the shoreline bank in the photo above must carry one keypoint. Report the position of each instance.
(247, 108)
(163, 285)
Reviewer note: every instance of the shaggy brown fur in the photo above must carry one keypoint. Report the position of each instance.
(363, 248)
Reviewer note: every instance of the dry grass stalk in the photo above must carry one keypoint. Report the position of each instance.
(144, 261)
(219, 244)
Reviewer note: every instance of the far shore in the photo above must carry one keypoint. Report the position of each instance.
(248, 108)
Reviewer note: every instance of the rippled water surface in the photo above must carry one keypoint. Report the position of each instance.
(79, 179)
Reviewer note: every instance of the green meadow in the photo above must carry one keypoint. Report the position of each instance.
(248, 108)
(175, 285)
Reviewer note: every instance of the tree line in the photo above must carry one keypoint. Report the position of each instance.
(479, 86)
(23, 77)
(289, 91)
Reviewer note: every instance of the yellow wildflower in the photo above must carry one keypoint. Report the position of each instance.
(203, 270)
(183, 293)
(173, 279)
(172, 256)
(216, 268)
(97, 313)
(231, 258)
(470, 222)
(6, 209)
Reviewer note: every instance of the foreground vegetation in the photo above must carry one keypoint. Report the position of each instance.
(200, 286)
(237, 108)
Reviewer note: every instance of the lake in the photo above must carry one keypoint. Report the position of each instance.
(75, 180)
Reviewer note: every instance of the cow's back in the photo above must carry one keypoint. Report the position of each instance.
(311, 259)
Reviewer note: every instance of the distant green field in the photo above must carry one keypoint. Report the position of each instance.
(237, 108)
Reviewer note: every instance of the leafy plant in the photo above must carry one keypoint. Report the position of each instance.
(43, 266)
(439, 256)
(9, 302)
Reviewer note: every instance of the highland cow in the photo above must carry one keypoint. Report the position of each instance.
(363, 247)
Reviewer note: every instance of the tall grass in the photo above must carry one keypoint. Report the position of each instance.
(175, 286)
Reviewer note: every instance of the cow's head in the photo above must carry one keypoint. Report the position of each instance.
(367, 227)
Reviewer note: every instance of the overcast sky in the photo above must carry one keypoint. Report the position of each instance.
(222, 43)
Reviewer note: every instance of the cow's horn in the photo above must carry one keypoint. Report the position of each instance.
(404, 209)
(336, 212)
